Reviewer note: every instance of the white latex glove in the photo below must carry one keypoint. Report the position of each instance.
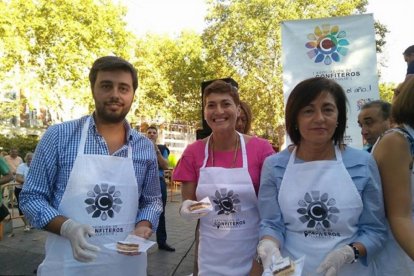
(187, 214)
(268, 252)
(335, 259)
(77, 234)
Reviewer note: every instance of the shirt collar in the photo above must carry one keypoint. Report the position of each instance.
(128, 129)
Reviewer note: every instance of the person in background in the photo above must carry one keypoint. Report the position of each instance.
(21, 174)
(225, 167)
(162, 157)
(394, 154)
(374, 119)
(94, 181)
(244, 121)
(13, 160)
(409, 59)
(5, 177)
(319, 198)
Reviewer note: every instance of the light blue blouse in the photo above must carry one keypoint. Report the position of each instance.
(365, 175)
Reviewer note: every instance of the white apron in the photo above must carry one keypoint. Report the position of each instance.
(321, 207)
(102, 192)
(230, 233)
(392, 259)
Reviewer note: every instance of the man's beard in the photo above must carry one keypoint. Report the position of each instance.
(110, 117)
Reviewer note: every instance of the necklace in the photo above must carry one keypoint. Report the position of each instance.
(235, 150)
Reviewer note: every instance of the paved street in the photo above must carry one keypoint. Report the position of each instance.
(21, 253)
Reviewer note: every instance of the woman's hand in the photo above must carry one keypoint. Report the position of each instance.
(335, 260)
(187, 214)
(268, 251)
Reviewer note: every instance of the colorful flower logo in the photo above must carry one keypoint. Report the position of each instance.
(327, 43)
(103, 201)
(318, 210)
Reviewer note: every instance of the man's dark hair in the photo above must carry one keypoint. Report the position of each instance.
(384, 106)
(112, 63)
(221, 87)
(409, 50)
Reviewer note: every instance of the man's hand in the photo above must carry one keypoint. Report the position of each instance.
(143, 229)
(335, 259)
(268, 251)
(187, 214)
(77, 234)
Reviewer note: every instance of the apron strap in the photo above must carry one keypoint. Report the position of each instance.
(242, 146)
(129, 151)
(206, 152)
(84, 134)
(243, 150)
(338, 155)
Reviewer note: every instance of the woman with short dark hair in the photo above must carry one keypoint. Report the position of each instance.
(319, 198)
(225, 167)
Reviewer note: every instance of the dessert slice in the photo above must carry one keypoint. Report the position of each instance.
(199, 206)
(127, 247)
(284, 267)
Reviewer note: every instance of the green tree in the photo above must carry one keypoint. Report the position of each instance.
(386, 91)
(170, 73)
(55, 43)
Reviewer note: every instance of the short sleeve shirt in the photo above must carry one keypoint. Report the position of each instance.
(188, 167)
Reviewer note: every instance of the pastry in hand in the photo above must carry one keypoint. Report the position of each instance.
(127, 247)
(199, 206)
(284, 267)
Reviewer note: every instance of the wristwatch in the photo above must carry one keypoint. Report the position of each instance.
(356, 252)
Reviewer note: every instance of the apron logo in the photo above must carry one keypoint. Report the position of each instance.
(103, 201)
(226, 202)
(318, 211)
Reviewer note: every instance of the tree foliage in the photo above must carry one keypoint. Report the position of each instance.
(386, 91)
(170, 73)
(55, 43)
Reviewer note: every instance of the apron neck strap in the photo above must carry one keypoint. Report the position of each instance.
(243, 150)
(84, 134)
(338, 155)
(242, 147)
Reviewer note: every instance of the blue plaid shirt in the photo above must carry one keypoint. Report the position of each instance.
(53, 161)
